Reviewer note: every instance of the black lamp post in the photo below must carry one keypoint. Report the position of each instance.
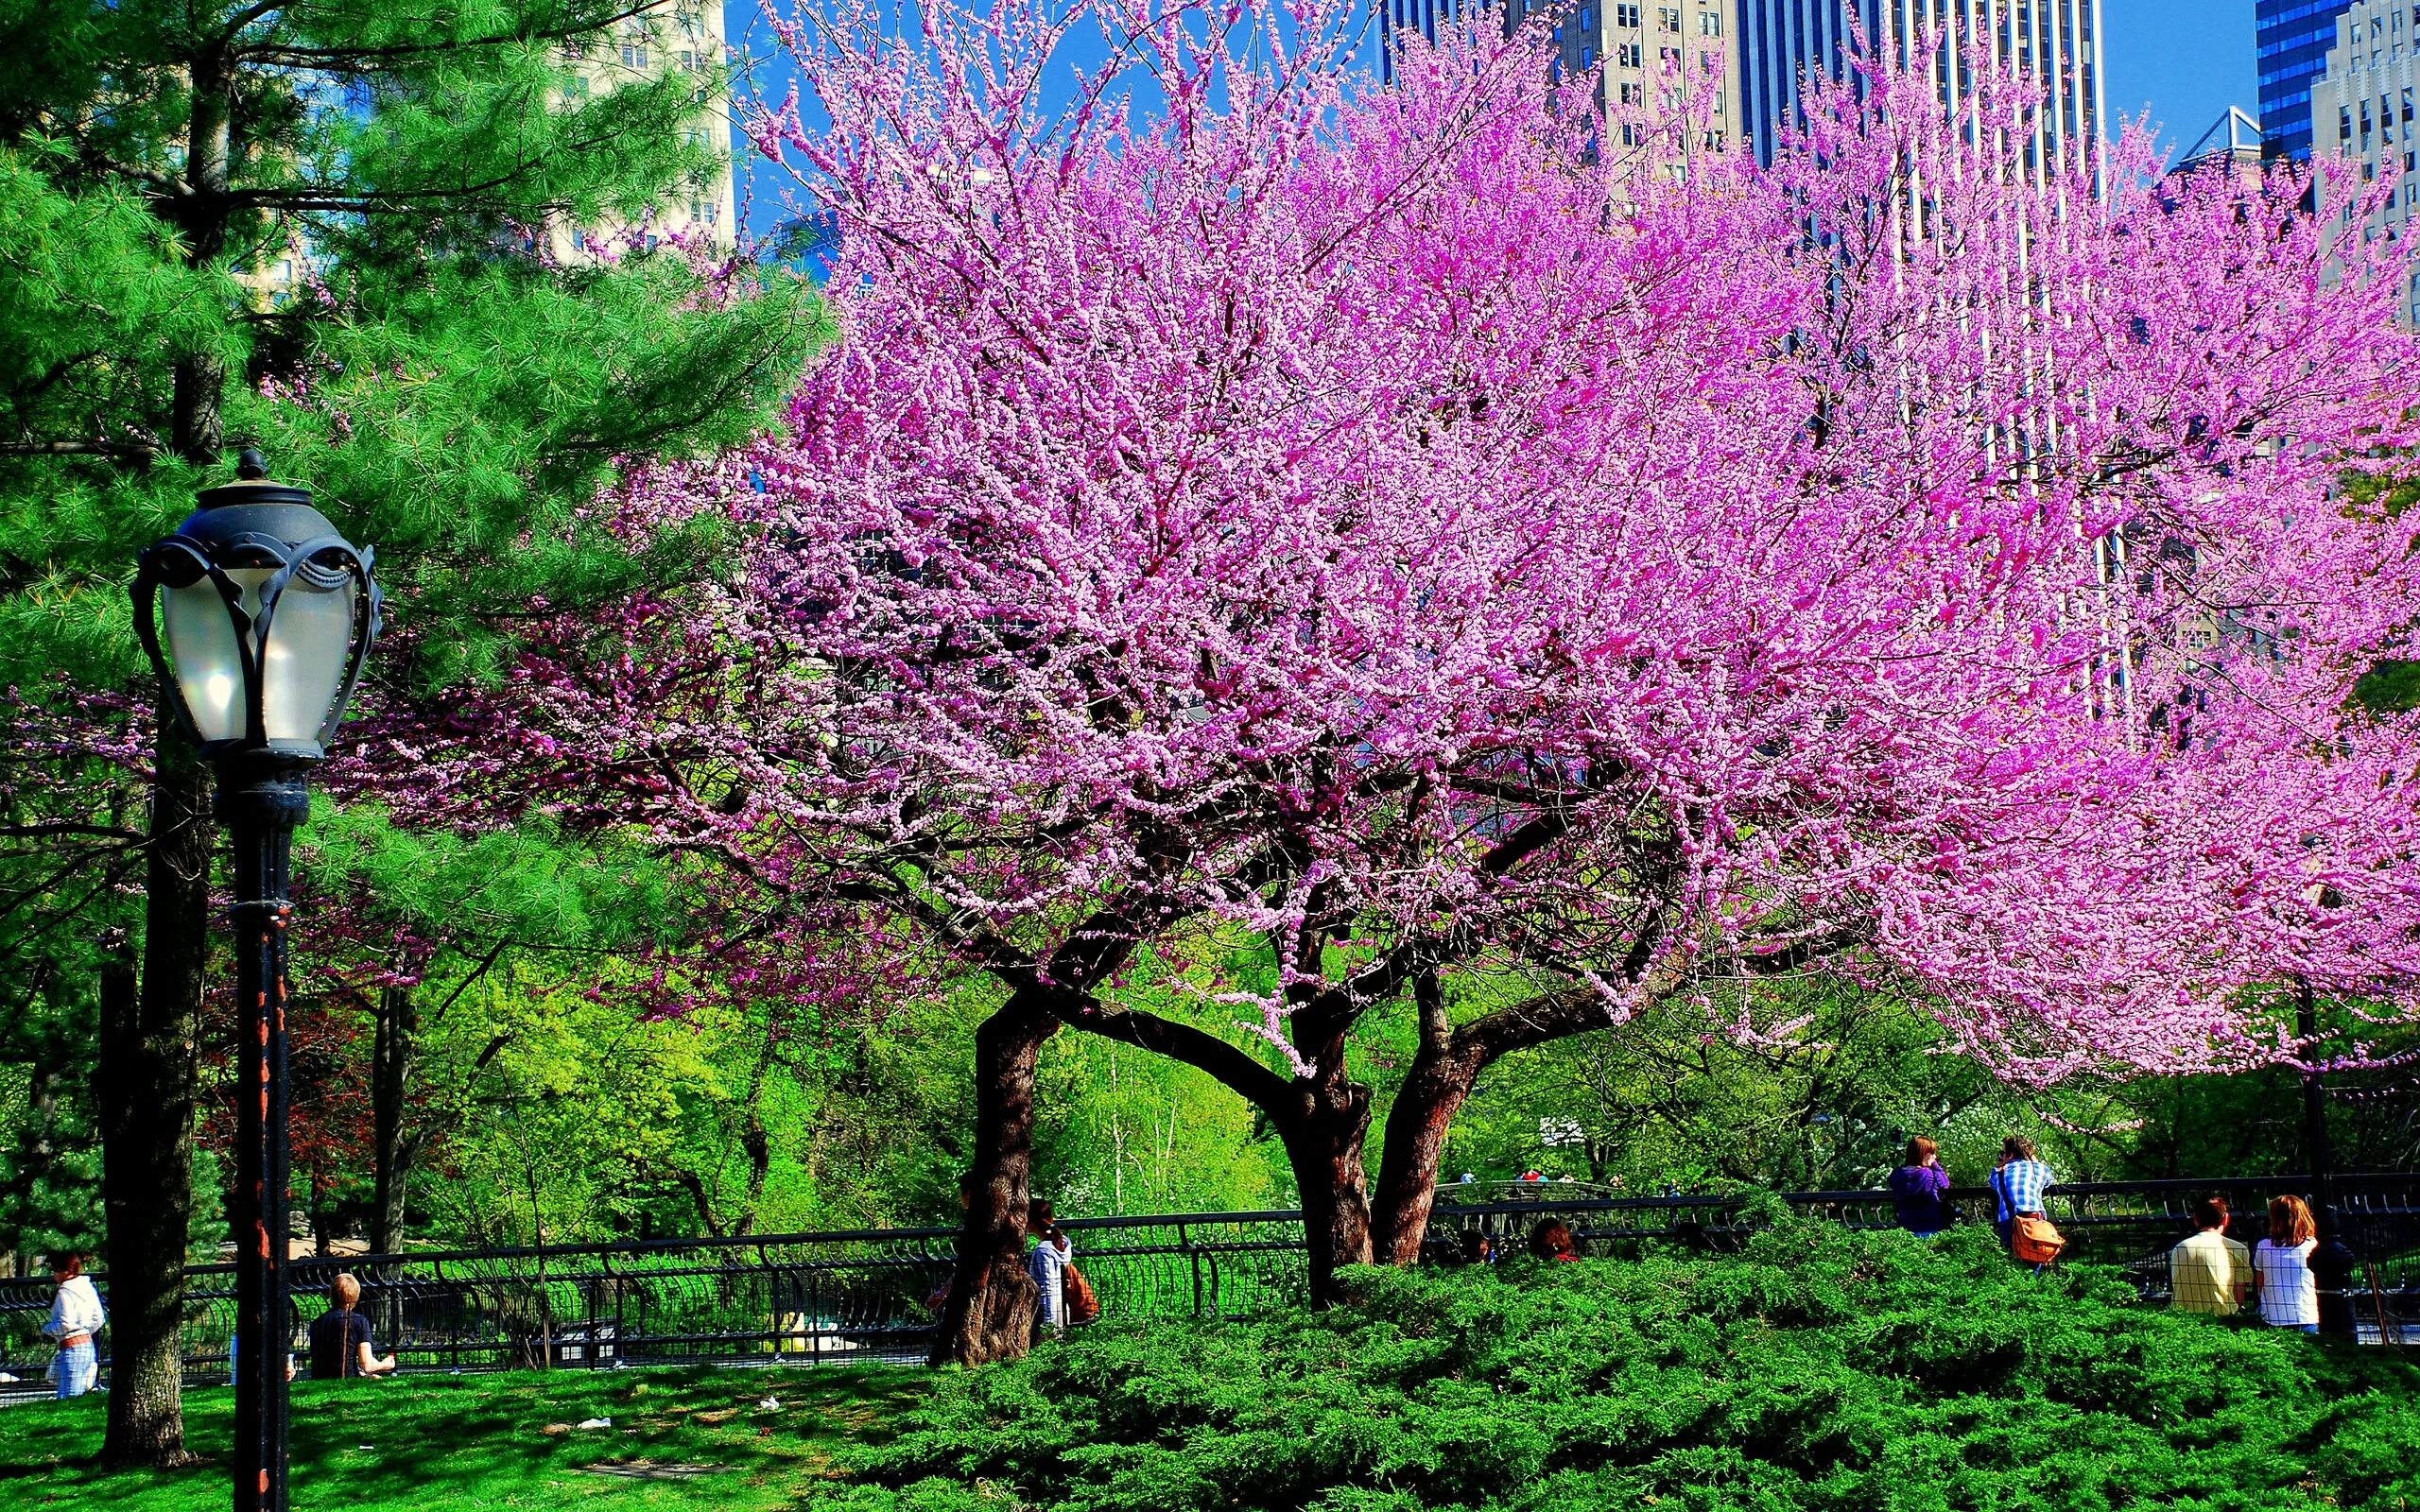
(268, 615)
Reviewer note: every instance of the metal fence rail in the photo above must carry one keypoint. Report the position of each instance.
(865, 1295)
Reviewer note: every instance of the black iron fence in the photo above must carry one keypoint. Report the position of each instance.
(868, 1294)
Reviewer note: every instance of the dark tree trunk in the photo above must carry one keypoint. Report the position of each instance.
(990, 1312)
(149, 1064)
(145, 1096)
(1324, 1132)
(393, 1148)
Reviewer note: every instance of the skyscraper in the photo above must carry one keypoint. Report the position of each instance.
(1653, 51)
(2363, 110)
(2058, 41)
(2293, 37)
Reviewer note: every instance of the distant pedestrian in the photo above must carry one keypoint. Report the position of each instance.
(1552, 1240)
(2018, 1182)
(1919, 1191)
(340, 1342)
(2209, 1273)
(2281, 1267)
(1047, 1263)
(1477, 1248)
(76, 1315)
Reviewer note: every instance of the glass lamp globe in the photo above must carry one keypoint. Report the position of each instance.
(258, 617)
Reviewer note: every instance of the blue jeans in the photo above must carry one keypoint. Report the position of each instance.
(76, 1364)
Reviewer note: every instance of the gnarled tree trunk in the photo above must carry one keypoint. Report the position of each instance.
(992, 1299)
(1324, 1134)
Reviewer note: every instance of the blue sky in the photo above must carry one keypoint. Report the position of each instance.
(2183, 62)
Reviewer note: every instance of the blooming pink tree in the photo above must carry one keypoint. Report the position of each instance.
(1314, 541)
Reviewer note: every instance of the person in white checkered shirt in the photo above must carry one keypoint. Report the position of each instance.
(2017, 1184)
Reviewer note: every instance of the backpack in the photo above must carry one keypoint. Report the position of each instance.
(1082, 1303)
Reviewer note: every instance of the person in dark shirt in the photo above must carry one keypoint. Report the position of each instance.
(2333, 1265)
(341, 1337)
(1919, 1192)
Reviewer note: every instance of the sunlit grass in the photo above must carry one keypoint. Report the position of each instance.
(433, 1443)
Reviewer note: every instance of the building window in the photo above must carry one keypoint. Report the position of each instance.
(1626, 15)
(634, 50)
(285, 269)
(1670, 57)
(1669, 18)
(1709, 23)
(579, 89)
(1628, 54)
(1630, 93)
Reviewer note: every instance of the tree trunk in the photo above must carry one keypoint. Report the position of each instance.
(992, 1299)
(391, 1148)
(1423, 1110)
(146, 1095)
(149, 1065)
(1324, 1134)
(1440, 1081)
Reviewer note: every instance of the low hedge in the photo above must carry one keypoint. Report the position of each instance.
(1819, 1369)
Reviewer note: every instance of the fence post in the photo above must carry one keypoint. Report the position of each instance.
(1193, 1257)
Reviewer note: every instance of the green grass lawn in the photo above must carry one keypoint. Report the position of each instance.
(679, 1439)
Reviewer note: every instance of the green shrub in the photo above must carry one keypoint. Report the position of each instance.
(1819, 1370)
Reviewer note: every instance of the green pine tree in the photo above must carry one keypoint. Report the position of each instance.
(457, 399)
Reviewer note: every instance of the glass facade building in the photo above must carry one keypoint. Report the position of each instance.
(1781, 41)
(2294, 37)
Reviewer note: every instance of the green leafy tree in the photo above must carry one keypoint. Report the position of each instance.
(457, 397)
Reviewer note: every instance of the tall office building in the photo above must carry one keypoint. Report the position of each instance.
(2293, 37)
(1654, 53)
(682, 36)
(2363, 110)
(2058, 41)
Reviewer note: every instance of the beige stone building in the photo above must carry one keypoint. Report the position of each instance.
(683, 37)
(2362, 113)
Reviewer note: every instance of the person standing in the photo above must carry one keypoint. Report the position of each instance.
(2019, 1183)
(76, 1315)
(1919, 1191)
(340, 1344)
(2209, 1273)
(2281, 1267)
(1047, 1265)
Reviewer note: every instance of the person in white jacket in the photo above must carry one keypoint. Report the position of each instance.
(1047, 1265)
(76, 1315)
